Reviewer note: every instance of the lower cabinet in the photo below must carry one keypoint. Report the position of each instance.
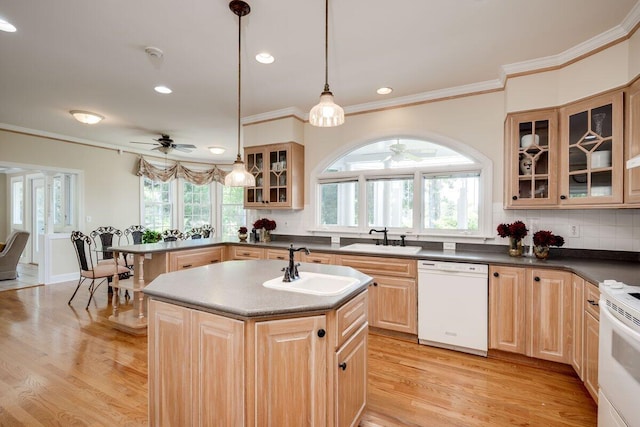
(190, 258)
(244, 252)
(591, 338)
(530, 312)
(577, 322)
(206, 369)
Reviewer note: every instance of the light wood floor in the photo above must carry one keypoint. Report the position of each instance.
(65, 366)
(27, 277)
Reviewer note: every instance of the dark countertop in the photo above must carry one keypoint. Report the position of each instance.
(234, 289)
(592, 269)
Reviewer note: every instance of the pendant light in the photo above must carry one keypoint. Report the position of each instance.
(327, 113)
(239, 176)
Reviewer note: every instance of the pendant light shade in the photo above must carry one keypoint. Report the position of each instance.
(239, 176)
(327, 113)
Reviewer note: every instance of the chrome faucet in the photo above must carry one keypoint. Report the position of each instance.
(291, 271)
(385, 240)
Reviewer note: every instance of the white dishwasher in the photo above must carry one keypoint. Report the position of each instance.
(453, 305)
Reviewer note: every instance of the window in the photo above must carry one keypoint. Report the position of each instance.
(196, 205)
(17, 201)
(64, 195)
(411, 185)
(232, 213)
(158, 204)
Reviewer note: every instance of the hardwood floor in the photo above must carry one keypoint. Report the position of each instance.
(65, 366)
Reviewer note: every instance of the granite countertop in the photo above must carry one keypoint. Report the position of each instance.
(592, 269)
(234, 289)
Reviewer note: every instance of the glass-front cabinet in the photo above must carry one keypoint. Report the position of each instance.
(591, 168)
(531, 147)
(279, 173)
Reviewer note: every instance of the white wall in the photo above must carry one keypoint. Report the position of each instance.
(4, 201)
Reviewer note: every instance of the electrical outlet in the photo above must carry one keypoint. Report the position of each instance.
(574, 231)
(449, 246)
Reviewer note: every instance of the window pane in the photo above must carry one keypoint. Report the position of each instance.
(17, 201)
(451, 202)
(339, 204)
(197, 205)
(390, 203)
(232, 211)
(157, 205)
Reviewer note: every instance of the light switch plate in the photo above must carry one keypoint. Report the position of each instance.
(449, 246)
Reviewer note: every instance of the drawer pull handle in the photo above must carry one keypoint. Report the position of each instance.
(592, 302)
(537, 279)
(496, 274)
(213, 261)
(187, 265)
(322, 333)
(343, 366)
(375, 283)
(280, 257)
(317, 261)
(245, 253)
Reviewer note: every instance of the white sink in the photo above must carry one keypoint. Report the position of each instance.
(381, 249)
(314, 283)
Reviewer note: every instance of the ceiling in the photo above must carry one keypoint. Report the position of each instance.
(89, 55)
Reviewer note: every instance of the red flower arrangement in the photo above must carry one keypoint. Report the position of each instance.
(517, 230)
(267, 224)
(242, 230)
(546, 238)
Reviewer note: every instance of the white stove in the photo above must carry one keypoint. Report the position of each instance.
(619, 355)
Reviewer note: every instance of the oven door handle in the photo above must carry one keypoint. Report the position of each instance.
(620, 327)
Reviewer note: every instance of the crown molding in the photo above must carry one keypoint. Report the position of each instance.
(274, 115)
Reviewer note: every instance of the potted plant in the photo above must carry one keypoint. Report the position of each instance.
(515, 231)
(242, 234)
(266, 226)
(542, 240)
(150, 236)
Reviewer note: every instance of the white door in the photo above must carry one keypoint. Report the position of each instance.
(37, 217)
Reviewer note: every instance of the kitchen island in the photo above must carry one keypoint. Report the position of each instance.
(225, 350)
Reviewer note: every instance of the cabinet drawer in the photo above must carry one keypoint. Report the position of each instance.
(281, 254)
(242, 252)
(380, 266)
(319, 258)
(350, 317)
(591, 300)
(181, 260)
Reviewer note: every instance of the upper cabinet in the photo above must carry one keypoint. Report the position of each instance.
(531, 151)
(279, 172)
(592, 151)
(573, 156)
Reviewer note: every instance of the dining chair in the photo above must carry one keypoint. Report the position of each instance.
(89, 267)
(105, 237)
(134, 233)
(172, 235)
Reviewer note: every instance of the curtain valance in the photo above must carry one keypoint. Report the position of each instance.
(177, 170)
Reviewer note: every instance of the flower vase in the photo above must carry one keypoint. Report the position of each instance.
(541, 252)
(265, 235)
(242, 237)
(515, 246)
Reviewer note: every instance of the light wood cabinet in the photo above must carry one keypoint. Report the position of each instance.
(531, 151)
(632, 146)
(291, 371)
(591, 339)
(281, 254)
(530, 312)
(577, 316)
(351, 379)
(393, 296)
(190, 258)
(279, 173)
(186, 349)
(319, 258)
(244, 252)
(591, 151)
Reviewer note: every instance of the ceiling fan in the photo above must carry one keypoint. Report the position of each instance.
(165, 145)
(399, 153)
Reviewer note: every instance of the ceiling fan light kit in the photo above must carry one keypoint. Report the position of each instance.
(326, 113)
(239, 176)
(86, 117)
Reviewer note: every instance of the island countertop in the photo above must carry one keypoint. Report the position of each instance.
(234, 289)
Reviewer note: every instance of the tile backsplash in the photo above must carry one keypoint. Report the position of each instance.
(600, 229)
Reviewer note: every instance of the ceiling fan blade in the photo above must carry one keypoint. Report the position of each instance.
(146, 143)
(413, 157)
(191, 146)
(387, 158)
(181, 148)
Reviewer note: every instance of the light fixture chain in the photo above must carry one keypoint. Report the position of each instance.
(239, 77)
(326, 45)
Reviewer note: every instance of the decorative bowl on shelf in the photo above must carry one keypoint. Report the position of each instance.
(527, 140)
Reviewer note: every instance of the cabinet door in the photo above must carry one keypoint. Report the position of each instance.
(577, 316)
(217, 374)
(632, 138)
(351, 380)
(531, 159)
(291, 369)
(507, 309)
(591, 169)
(591, 336)
(550, 303)
(182, 260)
(394, 304)
(255, 163)
(170, 398)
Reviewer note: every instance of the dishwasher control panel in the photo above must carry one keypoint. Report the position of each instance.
(453, 266)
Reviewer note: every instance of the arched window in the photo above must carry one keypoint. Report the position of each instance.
(410, 185)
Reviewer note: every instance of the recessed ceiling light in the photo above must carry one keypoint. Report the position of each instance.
(384, 91)
(86, 117)
(162, 89)
(265, 58)
(217, 150)
(6, 26)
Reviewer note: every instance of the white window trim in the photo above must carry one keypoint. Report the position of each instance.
(482, 164)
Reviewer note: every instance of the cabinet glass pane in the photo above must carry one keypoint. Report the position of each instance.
(601, 183)
(601, 121)
(533, 160)
(577, 159)
(578, 127)
(578, 185)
